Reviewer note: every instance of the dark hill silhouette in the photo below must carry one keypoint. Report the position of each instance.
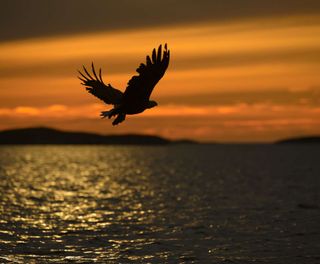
(300, 140)
(43, 135)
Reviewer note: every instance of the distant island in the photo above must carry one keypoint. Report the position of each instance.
(50, 136)
(44, 135)
(301, 140)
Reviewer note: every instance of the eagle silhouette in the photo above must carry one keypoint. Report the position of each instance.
(135, 99)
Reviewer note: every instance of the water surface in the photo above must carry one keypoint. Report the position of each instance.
(164, 204)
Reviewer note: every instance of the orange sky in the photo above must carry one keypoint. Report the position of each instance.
(247, 80)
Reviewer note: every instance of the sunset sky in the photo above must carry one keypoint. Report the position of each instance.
(240, 71)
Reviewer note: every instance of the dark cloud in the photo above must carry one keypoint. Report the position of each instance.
(34, 18)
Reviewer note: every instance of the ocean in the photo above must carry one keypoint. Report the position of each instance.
(160, 204)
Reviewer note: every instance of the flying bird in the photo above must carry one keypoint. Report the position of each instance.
(136, 97)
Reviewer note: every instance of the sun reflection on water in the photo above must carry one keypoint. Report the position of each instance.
(69, 201)
(165, 204)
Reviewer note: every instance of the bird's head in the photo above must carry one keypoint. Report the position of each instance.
(152, 104)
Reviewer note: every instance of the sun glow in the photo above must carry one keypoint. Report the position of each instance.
(38, 76)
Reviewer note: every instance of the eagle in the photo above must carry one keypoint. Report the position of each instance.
(136, 97)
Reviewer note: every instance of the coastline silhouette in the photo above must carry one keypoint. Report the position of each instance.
(46, 135)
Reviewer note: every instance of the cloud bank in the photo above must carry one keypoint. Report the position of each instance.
(38, 18)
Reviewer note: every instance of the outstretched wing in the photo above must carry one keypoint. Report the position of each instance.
(96, 86)
(140, 87)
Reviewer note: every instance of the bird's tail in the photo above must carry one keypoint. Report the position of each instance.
(120, 118)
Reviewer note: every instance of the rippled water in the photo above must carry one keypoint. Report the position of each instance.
(166, 204)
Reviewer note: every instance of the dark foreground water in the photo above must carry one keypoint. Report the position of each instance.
(167, 204)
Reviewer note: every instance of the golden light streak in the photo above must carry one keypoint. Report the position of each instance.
(240, 122)
(237, 110)
(259, 34)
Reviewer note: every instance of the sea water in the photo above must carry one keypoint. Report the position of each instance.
(160, 204)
